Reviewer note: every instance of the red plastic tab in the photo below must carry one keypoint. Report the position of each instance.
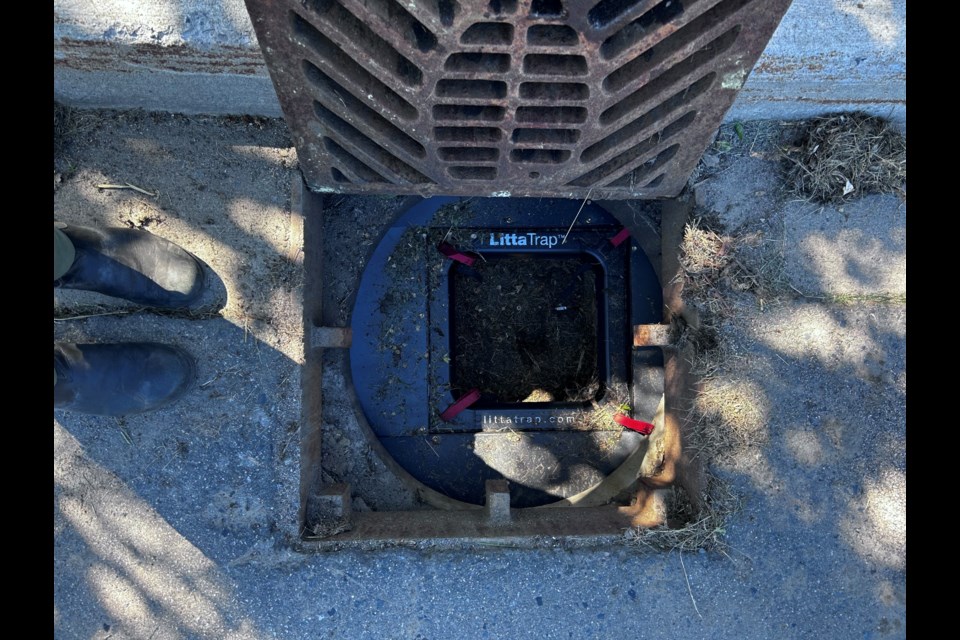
(618, 239)
(462, 403)
(636, 425)
(451, 252)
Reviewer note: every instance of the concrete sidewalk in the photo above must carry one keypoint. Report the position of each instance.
(178, 524)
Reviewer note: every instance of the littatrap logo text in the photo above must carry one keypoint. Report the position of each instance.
(523, 240)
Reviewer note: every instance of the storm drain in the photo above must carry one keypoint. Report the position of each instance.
(563, 98)
(489, 344)
(507, 346)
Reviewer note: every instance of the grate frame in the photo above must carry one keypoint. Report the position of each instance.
(616, 99)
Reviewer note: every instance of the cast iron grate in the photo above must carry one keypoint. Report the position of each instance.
(564, 98)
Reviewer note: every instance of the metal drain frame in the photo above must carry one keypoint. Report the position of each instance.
(327, 521)
(566, 98)
(402, 390)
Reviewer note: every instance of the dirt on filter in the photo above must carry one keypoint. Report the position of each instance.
(526, 330)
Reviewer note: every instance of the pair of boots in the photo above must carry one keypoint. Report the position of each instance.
(123, 378)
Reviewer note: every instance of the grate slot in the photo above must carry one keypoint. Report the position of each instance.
(545, 64)
(473, 112)
(338, 176)
(503, 7)
(350, 136)
(552, 115)
(540, 156)
(447, 11)
(336, 98)
(491, 33)
(467, 134)
(360, 171)
(638, 175)
(654, 16)
(633, 35)
(552, 35)
(689, 65)
(469, 154)
(427, 12)
(334, 58)
(391, 102)
(473, 173)
(472, 89)
(607, 11)
(554, 91)
(477, 62)
(637, 151)
(367, 43)
(545, 136)
(648, 119)
(547, 9)
(394, 16)
(655, 182)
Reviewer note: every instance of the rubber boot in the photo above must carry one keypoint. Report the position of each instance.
(132, 264)
(119, 379)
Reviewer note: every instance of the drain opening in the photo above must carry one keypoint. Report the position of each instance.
(488, 33)
(503, 7)
(527, 331)
(547, 9)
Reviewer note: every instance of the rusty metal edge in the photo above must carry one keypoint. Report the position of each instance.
(527, 528)
(680, 385)
(311, 398)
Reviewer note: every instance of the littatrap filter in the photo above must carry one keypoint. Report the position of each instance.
(489, 343)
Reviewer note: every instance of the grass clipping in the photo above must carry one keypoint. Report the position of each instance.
(688, 530)
(727, 413)
(715, 426)
(846, 156)
(715, 263)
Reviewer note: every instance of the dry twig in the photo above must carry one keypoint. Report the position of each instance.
(127, 185)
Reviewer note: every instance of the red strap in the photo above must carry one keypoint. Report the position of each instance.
(618, 239)
(451, 252)
(636, 425)
(462, 403)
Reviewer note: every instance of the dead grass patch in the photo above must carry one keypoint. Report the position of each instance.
(69, 123)
(616, 400)
(723, 419)
(726, 413)
(64, 122)
(714, 263)
(710, 258)
(866, 298)
(729, 413)
(835, 159)
(687, 530)
(67, 313)
(846, 156)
